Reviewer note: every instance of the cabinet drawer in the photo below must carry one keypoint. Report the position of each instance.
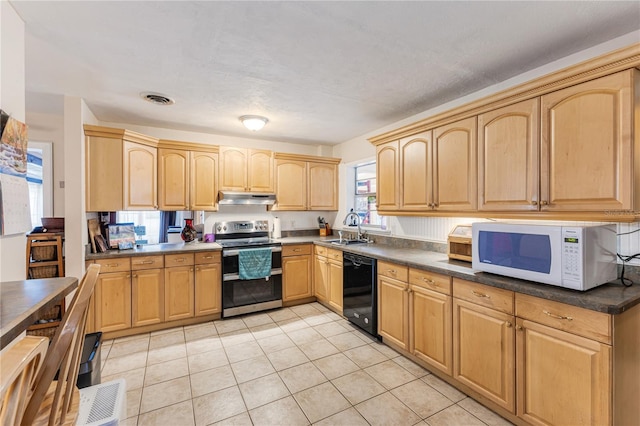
(334, 255)
(393, 270)
(484, 295)
(580, 321)
(296, 250)
(207, 257)
(320, 251)
(178, 260)
(122, 264)
(430, 280)
(146, 262)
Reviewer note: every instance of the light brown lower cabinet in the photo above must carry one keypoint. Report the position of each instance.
(327, 276)
(335, 284)
(179, 287)
(297, 280)
(113, 301)
(208, 273)
(147, 297)
(393, 304)
(563, 379)
(430, 319)
(484, 351)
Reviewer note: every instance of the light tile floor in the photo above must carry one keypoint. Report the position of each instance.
(293, 366)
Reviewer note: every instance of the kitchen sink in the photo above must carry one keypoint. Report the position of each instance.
(346, 242)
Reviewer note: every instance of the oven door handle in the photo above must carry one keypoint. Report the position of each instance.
(227, 253)
(236, 277)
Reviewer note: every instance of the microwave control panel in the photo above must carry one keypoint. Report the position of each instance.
(572, 254)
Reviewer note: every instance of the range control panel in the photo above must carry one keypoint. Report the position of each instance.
(241, 227)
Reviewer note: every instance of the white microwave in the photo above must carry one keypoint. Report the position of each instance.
(575, 257)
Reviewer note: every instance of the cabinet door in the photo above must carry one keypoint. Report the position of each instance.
(484, 352)
(233, 168)
(430, 317)
(260, 171)
(393, 311)
(563, 379)
(291, 185)
(178, 295)
(204, 181)
(113, 301)
(323, 186)
(321, 277)
(173, 178)
(455, 182)
(388, 176)
(335, 285)
(508, 150)
(586, 153)
(147, 292)
(208, 286)
(140, 176)
(415, 167)
(104, 174)
(296, 278)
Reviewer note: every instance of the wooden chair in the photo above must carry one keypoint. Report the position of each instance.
(19, 365)
(57, 402)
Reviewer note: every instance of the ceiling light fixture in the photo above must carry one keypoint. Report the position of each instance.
(253, 122)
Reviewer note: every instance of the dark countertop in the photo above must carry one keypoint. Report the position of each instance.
(611, 298)
(22, 301)
(156, 249)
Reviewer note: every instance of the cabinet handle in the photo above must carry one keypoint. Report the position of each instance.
(430, 282)
(129, 276)
(147, 262)
(208, 257)
(297, 250)
(182, 259)
(475, 293)
(560, 317)
(534, 203)
(197, 269)
(543, 203)
(190, 269)
(135, 275)
(435, 205)
(113, 265)
(391, 271)
(155, 207)
(519, 327)
(508, 324)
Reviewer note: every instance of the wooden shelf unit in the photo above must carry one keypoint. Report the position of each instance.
(45, 260)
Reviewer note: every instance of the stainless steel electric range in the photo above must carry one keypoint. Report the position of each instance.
(241, 296)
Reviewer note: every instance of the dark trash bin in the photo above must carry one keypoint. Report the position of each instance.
(89, 373)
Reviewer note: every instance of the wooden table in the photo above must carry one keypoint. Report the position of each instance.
(22, 301)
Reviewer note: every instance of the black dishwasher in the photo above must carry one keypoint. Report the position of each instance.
(360, 298)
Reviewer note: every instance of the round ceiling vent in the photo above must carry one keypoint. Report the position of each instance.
(157, 98)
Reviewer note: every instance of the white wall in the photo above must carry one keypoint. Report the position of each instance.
(359, 150)
(12, 101)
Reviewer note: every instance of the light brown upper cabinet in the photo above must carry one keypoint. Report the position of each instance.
(388, 176)
(586, 161)
(455, 180)
(187, 178)
(508, 153)
(243, 169)
(305, 182)
(121, 170)
(416, 171)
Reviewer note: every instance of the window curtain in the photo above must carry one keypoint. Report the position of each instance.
(167, 219)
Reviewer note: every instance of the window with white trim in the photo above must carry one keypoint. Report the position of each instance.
(365, 196)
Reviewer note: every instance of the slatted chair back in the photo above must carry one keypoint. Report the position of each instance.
(19, 365)
(57, 402)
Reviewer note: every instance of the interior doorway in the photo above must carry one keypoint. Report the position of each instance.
(40, 180)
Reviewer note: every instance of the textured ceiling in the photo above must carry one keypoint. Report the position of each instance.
(322, 72)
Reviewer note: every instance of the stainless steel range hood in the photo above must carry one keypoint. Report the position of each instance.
(246, 198)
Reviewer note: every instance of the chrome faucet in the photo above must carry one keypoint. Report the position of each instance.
(358, 221)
